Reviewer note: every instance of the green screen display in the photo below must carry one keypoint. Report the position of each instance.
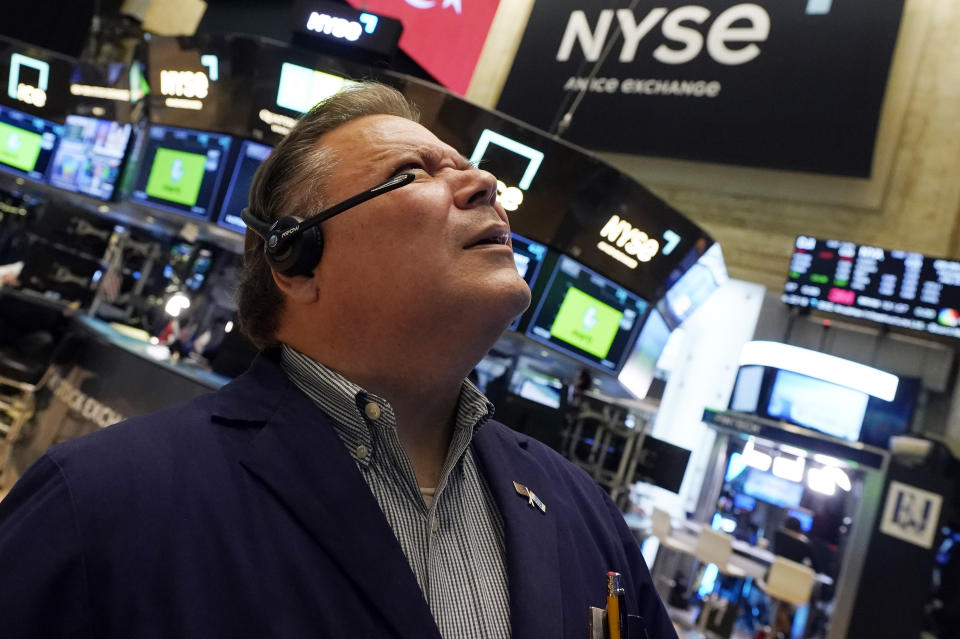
(176, 176)
(19, 148)
(587, 323)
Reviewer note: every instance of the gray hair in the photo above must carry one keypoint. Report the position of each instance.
(292, 181)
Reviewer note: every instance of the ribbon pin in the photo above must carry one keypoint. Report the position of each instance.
(532, 499)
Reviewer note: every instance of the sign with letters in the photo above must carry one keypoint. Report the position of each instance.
(786, 84)
(339, 25)
(911, 514)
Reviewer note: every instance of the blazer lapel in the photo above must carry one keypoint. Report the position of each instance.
(530, 535)
(303, 462)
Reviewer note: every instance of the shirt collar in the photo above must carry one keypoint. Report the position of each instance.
(348, 404)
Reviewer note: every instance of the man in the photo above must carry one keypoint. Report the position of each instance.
(350, 483)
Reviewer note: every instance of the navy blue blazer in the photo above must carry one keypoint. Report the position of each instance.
(240, 514)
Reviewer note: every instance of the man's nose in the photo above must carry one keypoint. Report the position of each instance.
(478, 188)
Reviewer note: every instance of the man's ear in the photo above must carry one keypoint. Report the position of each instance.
(299, 289)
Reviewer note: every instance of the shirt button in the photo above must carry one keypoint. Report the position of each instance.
(436, 526)
(362, 451)
(372, 410)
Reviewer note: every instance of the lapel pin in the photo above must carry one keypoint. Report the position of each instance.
(532, 498)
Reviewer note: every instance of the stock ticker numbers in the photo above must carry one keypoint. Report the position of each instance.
(898, 288)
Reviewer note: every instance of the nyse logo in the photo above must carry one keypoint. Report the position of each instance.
(35, 95)
(911, 514)
(510, 197)
(678, 27)
(632, 240)
(341, 27)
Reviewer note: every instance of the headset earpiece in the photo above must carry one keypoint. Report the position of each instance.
(297, 254)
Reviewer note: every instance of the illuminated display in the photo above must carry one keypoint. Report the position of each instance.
(586, 316)
(23, 91)
(90, 155)
(639, 369)
(237, 196)
(26, 143)
(301, 87)
(181, 169)
(317, 21)
(891, 287)
(528, 256)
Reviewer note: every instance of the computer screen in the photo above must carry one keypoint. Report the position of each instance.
(586, 316)
(814, 403)
(26, 143)
(252, 155)
(662, 464)
(537, 387)
(744, 502)
(772, 489)
(805, 517)
(90, 155)
(638, 371)
(528, 256)
(181, 170)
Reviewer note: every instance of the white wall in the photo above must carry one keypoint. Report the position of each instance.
(702, 367)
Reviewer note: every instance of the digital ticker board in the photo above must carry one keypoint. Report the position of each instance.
(893, 287)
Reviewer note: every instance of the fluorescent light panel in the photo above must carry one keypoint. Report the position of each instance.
(819, 365)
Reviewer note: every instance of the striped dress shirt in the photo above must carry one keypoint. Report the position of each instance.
(452, 541)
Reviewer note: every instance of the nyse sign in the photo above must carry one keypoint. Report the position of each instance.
(732, 81)
(35, 95)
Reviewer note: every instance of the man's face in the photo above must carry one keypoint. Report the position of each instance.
(436, 250)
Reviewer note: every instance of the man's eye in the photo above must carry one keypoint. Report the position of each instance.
(409, 167)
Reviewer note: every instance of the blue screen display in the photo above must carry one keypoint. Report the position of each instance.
(817, 404)
(772, 489)
(236, 198)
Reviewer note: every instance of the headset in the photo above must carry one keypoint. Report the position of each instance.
(293, 246)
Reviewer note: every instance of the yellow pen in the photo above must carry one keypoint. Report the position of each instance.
(616, 629)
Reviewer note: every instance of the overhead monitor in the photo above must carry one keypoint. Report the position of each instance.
(821, 405)
(892, 287)
(26, 143)
(528, 256)
(252, 155)
(772, 489)
(586, 316)
(90, 156)
(181, 170)
(639, 369)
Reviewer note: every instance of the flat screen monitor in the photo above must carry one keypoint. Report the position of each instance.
(27, 143)
(884, 420)
(90, 156)
(638, 371)
(537, 387)
(772, 489)
(805, 517)
(818, 404)
(252, 155)
(744, 502)
(586, 316)
(528, 256)
(661, 464)
(181, 170)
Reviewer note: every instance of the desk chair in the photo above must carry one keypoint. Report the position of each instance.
(789, 583)
(715, 547)
(661, 529)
